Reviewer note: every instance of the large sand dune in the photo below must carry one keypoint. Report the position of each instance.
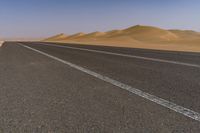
(139, 37)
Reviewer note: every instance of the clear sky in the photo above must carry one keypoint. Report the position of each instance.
(42, 18)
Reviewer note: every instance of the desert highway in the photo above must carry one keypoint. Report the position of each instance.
(49, 87)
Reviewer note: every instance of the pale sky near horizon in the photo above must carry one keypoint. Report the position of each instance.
(43, 18)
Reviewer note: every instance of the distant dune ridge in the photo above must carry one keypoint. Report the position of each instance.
(137, 36)
(59, 37)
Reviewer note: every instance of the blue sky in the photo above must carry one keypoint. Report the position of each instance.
(42, 18)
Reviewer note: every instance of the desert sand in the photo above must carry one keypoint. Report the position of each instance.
(138, 36)
(1, 42)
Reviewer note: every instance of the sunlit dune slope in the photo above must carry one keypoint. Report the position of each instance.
(1, 42)
(149, 34)
(186, 34)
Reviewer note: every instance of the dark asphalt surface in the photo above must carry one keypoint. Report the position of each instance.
(188, 57)
(39, 94)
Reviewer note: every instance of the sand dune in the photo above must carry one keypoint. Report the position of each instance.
(186, 34)
(138, 36)
(95, 34)
(58, 37)
(75, 36)
(149, 34)
(1, 42)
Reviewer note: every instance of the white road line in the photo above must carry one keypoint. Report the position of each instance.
(182, 110)
(126, 55)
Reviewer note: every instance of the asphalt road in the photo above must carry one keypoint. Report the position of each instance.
(43, 94)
